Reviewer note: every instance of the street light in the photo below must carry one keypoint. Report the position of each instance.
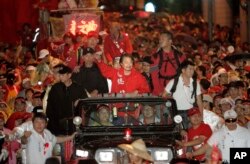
(150, 7)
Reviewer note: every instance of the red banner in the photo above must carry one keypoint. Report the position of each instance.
(82, 22)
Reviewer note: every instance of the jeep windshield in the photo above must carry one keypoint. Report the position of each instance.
(127, 111)
(109, 121)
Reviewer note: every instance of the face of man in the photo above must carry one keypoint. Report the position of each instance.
(164, 41)
(195, 119)
(134, 158)
(37, 102)
(189, 71)
(19, 106)
(223, 78)
(103, 115)
(148, 111)
(225, 107)
(92, 42)
(65, 77)
(234, 92)
(146, 67)
(231, 123)
(127, 64)
(39, 125)
(88, 59)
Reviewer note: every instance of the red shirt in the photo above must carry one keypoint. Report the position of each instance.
(167, 69)
(112, 50)
(124, 83)
(202, 130)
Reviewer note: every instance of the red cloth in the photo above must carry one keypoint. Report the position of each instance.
(8, 26)
(14, 13)
(167, 69)
(122, 83)
(10, 124)
(202, 130)
(110, 49)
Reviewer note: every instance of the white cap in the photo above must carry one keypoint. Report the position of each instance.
(207, 98)
(43, 53)
(226, 100)
(30, 68)
(25, 80)
(230, 114)
(221, 71)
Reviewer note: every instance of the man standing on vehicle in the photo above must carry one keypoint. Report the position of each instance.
(116, 43)
(186, 91)
(89, 74)
(166, 61)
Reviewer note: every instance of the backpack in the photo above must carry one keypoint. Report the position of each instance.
(161, 61)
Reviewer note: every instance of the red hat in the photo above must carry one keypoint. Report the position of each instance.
(193, 111)
(92, 34)
(67, 35)
(247, 68)
(80, 34)
(10, 124)
(215, 89)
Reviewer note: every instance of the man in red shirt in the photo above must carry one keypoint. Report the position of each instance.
(116, 43)
(198, 133)
(166, 61)
(125, 80)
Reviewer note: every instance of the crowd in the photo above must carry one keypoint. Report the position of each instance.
(165, 55)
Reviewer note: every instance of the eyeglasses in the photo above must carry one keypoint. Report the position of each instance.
(231, 120)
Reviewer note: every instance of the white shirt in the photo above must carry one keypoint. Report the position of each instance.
(212, 119)
(182, 94)
(226, 139)
(39, 148)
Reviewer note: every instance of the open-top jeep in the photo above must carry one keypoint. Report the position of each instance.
(98, 142)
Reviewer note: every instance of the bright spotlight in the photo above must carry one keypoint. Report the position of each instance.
(150, 7)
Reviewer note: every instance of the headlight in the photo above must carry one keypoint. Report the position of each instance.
(178, 119)
(161, 155)
(82, 153)
(106, 156)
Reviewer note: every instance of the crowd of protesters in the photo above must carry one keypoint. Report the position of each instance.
(165, 55)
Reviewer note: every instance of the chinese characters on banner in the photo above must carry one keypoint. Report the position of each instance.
(83, 22)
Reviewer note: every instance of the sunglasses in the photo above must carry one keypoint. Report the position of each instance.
(231, 120)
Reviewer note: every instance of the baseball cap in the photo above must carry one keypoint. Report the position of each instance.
(37, 109)
(226, 100)
(230, 114)
(207, 98)
(87, 50)
(63, 69)
(193, 111)
(43, 53)
(25, 80)
(147, 59)
(30, 68)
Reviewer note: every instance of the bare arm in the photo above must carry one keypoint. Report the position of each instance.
(64, 139)
(200, 151)
(199, 103)
(196, 141)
